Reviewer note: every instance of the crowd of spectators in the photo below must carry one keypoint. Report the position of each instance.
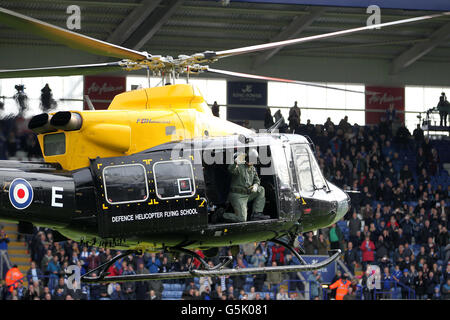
(399, 214)
(17, 141)
(398, 221)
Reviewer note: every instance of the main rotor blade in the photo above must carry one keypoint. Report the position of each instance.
(254, 76)
(66, 37)
(273, 45)
(63, 70)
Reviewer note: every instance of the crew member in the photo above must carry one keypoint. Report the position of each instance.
(245, 187)
(342, 287)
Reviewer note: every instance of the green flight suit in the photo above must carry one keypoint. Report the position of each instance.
(243, 177)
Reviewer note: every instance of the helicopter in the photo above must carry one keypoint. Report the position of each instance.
(149, 173)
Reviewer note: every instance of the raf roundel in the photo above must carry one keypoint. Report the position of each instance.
(20, 193)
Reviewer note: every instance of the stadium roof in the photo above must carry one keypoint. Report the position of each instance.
(172, 27)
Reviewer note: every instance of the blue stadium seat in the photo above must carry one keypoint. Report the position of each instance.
(178, 287)
(166, 286)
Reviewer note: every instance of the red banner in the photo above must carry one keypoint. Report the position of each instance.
(381, 98)
(102, 89)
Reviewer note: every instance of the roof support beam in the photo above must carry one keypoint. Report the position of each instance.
(298, 25)
(420, 49)
(129, 25)
(152, 24)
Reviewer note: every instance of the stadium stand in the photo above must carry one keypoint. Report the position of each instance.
(403, 210)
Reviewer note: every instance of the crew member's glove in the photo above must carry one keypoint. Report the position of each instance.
(254, 187)
(240, 158)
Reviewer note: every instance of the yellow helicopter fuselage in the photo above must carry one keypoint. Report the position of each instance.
(138, 120)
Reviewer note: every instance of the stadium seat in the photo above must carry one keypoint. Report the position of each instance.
(166, 286)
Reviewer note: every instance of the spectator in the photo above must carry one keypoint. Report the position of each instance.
(258, 258)
(443, 106)
(351, 294)
(310, 244)
(4, 240)
(446, 290)
(315, 280)
(274, 278)
(259, 279)
(367, 248)
(407, 282)
(278, 254)
(252, 293)
(75, 292)
(282, 295)
(282, 127)
(418, 135)
(53, 269)
(117, 293)
(322, 245)
(142, 286)
(354, 225)
(420, 284)
(351, 257)
(34, 273)
(336, 237)
(30, 293)
(153, 264)
(294, 118)
(104, 294)
(93, 260)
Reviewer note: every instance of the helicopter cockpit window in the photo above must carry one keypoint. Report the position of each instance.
(319, 181)
(125, 184)
(303, 165)
(174, 179)
(54, 144)
(282, 169)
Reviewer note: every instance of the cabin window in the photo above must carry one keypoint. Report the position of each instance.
(125, 184)
(303, 165)
(174, 179)
(54, 144)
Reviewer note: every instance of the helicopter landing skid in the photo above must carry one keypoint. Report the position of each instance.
(208, 271)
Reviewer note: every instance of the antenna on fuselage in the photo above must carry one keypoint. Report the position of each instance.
(187, 75)
(89, 102)
(148, 76)
(275, 126)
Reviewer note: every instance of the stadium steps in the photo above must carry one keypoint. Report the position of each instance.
(447, 167)
(17, 250)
